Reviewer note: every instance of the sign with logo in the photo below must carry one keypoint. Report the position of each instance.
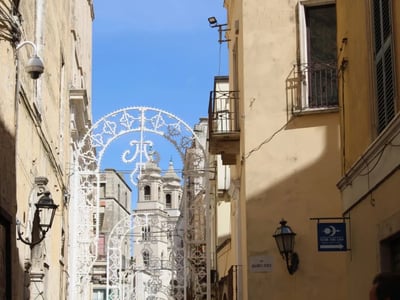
(332, 237)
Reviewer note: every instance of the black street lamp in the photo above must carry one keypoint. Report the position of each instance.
(284, 237)
(212, 21)
(43, 218)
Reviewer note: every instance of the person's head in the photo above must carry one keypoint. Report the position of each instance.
(386, 286)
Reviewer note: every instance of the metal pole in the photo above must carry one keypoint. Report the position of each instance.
(73, 219)
(208, 227)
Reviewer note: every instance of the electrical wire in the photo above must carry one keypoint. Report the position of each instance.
(266, 141)
(219, 59)
(9, 27)
(375, 164)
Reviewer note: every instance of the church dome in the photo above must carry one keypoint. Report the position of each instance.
(171, 175)
(151, 168)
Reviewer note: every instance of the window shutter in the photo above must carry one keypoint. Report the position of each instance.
(384, 63)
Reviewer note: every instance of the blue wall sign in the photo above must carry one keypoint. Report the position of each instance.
(332, 237)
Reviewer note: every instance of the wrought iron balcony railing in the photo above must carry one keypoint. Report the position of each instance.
(222, 112)
(312, 87)
(224, 133)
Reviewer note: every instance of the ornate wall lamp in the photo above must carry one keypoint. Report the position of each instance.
(43, 215)
(221, 28)
(284, 237)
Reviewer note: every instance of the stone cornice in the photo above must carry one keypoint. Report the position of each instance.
(379, 160)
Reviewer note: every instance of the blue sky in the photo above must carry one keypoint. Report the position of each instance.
(161, 54)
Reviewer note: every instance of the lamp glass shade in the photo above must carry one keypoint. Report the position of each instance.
(284, 237)
(46, 210)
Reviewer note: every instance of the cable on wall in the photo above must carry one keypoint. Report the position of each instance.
(266, 141)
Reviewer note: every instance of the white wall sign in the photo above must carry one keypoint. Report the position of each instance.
(262, 263)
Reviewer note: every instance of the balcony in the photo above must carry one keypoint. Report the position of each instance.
(224, 133)
(312, 88)
(80, 116)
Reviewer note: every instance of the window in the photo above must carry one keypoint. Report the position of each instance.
(99, 294)
(146, 233)
(101, 246)
(384, 64)
(147, 193)
(119, 193)
(101, 218)
(103, 190)
(168, 202)
(146, 258)
(390, 253)
(316, 71)
(395, 255)
(174, 287)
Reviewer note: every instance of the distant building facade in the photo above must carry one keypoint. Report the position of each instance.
(154, 263)
(115, 205)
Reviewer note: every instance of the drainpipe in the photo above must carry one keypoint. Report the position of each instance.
(239, 249)
(40, 12)
(208, 228)
(37, 272)
(234, 191)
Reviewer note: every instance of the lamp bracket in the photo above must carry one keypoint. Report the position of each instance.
(220, 31)
(26, 240)
(221, 28)
(292, 262)
(39, 189)
(20, 45)
(41, 183)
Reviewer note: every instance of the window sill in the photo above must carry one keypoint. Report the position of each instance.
(319, 110)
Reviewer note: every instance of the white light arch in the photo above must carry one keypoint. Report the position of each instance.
(84, 202)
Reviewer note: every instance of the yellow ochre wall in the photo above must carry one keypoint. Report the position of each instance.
(370, 161)
(288, 164)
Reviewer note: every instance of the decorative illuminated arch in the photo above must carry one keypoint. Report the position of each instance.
(84, 203)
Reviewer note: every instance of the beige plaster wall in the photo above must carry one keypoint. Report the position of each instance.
(36, 130)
